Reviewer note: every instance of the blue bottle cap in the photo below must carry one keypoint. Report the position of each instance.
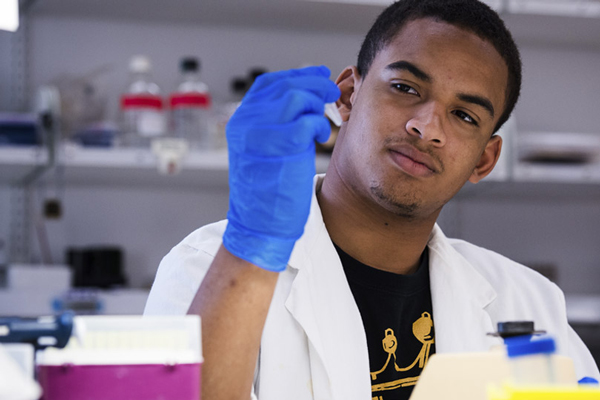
(588, 380)
(526, 345)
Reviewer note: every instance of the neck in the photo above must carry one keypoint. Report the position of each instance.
(370, 233)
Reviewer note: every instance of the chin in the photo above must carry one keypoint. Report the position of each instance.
(402, 207)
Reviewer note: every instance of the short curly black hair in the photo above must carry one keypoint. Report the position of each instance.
(471, 15)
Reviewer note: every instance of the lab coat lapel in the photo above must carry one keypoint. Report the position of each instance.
(459, 295)
(320, 301)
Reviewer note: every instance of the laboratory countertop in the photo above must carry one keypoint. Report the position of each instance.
(36, 302)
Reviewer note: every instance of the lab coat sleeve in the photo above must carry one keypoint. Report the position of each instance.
(585, 366)
(584, 362)
(177, 280)
(181, 272)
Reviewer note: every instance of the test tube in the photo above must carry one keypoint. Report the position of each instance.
(333, 113)
(530, 360)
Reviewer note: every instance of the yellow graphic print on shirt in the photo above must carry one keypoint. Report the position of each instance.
(422, 330)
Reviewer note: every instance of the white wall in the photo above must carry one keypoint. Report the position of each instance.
(561, 89)
(560, 93)
(79, 46)
(561, 86)
(562, 233)
(4, 222)
(5, 70)
(146, 222)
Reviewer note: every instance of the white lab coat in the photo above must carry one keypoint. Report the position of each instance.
(314, 345)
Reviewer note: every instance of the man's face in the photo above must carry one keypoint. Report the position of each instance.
(419, 124)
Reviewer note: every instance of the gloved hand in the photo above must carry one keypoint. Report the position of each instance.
(272, 163)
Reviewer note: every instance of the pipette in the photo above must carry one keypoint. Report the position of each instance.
(42, 332)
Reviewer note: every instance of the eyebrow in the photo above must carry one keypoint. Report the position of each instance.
(422, 75)
(410, 67)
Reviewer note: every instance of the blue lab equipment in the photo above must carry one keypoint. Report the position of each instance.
(51, 331)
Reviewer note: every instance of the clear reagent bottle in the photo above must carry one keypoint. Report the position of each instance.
(191, 107)
(142, 110)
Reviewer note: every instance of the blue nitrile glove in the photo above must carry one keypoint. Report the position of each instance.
(272, 163)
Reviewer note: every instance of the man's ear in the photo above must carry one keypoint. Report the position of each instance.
(348, 82)
(488, 159)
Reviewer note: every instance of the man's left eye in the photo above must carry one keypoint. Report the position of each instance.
(405, 88)
(465, 117)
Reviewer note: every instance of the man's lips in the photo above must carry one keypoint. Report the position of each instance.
(413, 161)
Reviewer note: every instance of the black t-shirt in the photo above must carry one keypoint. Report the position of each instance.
(397, 315)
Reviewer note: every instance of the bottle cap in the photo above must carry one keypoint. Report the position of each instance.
(190, 64)
(239, 85)
(525, 346)
(515, 328)
(255, 72)
(140, 64)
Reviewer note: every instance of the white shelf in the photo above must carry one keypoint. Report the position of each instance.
(86, 157)
(17, 162)
(123, 167)
(532, 172)
(548, 192)
(138, 167)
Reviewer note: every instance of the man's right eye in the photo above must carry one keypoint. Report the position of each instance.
(405, 88)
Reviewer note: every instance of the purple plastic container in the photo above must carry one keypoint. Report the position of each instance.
(120, 382)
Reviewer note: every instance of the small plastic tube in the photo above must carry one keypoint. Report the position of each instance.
(531, 360)
(333, 113)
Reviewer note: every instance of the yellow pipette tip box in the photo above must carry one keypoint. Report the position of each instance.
(509, 392)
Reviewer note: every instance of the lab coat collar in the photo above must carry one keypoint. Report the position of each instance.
(321, 302)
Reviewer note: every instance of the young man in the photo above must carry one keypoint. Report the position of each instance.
(369, 287)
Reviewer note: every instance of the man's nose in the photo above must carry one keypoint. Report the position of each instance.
(426, 123)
